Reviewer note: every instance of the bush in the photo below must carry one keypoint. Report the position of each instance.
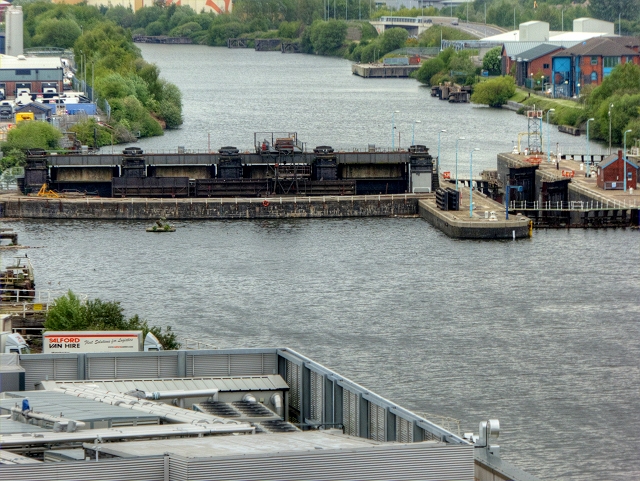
(32, 135)
(429, 69)
(494, 92)
(69, 313)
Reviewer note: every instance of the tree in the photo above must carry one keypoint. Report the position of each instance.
(56, 33)
(610, 9)
(70, 313)
(393, 39)
(327, 37)
(492, 61)
(494, 92)
(428, 69)
(32, 135)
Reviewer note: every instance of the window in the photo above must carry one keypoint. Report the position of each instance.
(545, 65)
(610, 62)
(23, 71)
(594, 60)
(594, 77)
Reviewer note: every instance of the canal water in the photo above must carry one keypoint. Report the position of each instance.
(542, 333)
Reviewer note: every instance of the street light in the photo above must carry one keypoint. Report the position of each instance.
(610, 107)
(588, 149)
(393, 129)
(471, 182)
(438, 159)
(413, 132)
(549, 136)
(624, 158)
(460, 138)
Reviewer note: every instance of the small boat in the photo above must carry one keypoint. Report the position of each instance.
(161, 226)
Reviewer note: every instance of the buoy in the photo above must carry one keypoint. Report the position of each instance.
(265, 203)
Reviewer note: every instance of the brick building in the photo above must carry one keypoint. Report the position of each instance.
(588, 63)
(610, 173)
(534, 62)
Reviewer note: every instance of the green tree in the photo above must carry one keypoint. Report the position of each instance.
(393, 39)
(610, 9)
(428, 69)
(492, 61)
(32, 135)
(327, 37)
(56, 33)
(494, 92)
(70, 313)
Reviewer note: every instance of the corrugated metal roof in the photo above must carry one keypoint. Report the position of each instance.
(538, 51)
(515, 49)
(224, 384)
(9, 62)
(78, 409)
(9, 426)
(216, 446)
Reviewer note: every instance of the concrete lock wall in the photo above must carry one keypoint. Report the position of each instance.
(84, 174)
(151, 209)
(193, 172)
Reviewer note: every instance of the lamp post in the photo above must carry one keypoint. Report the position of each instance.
(588, 149)
(624, 158)
(438, 159)
(393, 129)
(471, 182)
(610, 107)
(460, 138)
(413, 132)
(549, 136)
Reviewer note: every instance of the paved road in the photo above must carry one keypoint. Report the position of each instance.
(479, 29)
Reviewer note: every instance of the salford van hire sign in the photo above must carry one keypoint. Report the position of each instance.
(91, 341)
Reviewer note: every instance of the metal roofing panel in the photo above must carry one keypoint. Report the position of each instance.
(538, 51)
(57, 403)
(269, 382)
(9, 426)
(216, 446)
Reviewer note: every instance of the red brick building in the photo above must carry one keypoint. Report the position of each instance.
(589, 62)
(535, 62)
(610, 174)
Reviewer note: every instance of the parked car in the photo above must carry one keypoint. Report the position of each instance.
(454, 21)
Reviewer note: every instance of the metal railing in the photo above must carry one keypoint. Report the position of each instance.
(194, 344)
(573, 205)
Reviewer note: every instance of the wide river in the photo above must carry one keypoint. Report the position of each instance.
(542, 334)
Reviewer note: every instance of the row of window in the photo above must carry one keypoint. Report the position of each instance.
(610, 62)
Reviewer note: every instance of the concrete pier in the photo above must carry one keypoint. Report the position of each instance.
(383, 71)
(558, 194)
(481, 225)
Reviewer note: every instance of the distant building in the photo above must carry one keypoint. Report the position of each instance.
(588, 63)
(610, 173)
(215, 6)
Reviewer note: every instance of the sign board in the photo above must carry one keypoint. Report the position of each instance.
(22, 116)
(91, 341)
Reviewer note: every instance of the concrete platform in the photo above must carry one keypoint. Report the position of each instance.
(458, 224)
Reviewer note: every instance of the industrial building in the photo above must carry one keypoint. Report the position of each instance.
(245, 414)
(31, 76)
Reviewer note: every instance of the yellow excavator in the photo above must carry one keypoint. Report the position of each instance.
(45, 192)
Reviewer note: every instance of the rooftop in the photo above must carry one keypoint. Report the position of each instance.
(8, 62)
